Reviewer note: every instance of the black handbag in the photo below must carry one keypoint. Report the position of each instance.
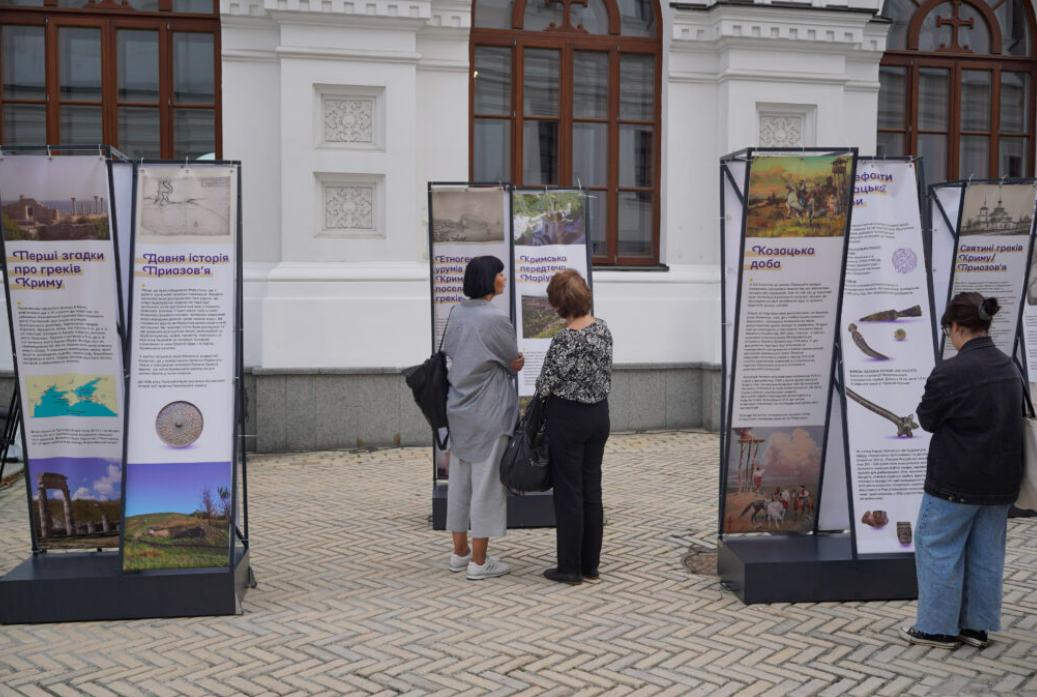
(429, 384)
(525, 464)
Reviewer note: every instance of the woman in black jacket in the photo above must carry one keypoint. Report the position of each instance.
(973, 407)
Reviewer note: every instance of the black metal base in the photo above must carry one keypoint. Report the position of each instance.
(812, 568)
(535, 510)
(79, 586)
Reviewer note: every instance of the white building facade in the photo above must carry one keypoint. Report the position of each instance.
(342, 112)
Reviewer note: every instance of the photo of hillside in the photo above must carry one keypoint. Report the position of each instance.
(177, 516)
(539, 319)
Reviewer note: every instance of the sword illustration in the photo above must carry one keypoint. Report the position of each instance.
(863, 345)
(905, 424)
(890, 315)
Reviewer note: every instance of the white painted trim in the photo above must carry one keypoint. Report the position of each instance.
(347, 54)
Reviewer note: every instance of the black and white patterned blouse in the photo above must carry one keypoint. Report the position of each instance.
(578, 365)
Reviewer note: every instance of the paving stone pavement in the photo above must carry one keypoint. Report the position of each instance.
(354, 598)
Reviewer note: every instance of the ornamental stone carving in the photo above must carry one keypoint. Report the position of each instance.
(349, 208)
(781, 130)
(349, 120)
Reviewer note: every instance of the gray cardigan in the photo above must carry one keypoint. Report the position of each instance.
(482, 404)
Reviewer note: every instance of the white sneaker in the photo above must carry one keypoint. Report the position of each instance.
(493, 568)
(459, 563)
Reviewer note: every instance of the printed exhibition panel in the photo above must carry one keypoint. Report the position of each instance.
(62, 303)
(181, 426)
(792, 263)
(1030, 322)
(465, 223)
(122, 185)
(888, 345)
(993, 252)
(944, 210)
(550, 229)
(732, 185)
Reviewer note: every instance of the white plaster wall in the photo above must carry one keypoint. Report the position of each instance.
(315, 301)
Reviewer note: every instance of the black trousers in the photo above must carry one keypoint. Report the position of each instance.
(577, 434)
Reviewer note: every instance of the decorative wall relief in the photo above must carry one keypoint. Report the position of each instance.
(349, 208)
(787, 125)
(349, 117)
(349, 120)
(349, 205)
(781, 130)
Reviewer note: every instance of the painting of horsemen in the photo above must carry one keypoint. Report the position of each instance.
(797, 196)
(773, 476)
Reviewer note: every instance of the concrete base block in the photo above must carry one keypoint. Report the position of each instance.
(327, 409)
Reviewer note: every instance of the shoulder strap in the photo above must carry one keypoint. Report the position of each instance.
(443, 337)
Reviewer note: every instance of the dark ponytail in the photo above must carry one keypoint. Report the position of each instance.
(971, 311)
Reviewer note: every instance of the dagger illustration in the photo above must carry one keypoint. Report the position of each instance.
(905, 424)
(863, 345)
(890, 315)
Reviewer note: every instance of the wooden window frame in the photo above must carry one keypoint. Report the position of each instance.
(955, 62)
(567, 43)
(109, 20)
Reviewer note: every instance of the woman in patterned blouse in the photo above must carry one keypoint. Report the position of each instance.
(577, 375)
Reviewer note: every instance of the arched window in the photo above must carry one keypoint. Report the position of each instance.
(957, 87)
(566, 93)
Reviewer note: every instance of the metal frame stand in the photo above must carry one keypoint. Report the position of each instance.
(80, 586)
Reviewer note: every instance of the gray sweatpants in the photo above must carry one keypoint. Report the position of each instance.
(475, 495)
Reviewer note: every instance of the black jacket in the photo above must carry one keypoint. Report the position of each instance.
(973, 407)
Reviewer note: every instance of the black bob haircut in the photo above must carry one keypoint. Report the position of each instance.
(480, 275)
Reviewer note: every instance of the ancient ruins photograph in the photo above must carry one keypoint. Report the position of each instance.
(998, 209)
(470, 216)
(799, 196)
(48, 218)
(177, 516)
(550, 217)
(539, 319)
(76, 502)
(772, 479)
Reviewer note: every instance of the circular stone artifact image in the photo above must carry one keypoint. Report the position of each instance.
(900, 335)
(179, 424)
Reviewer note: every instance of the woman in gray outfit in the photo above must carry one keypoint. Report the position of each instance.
(482, 408)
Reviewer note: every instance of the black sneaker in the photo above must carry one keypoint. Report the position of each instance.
(555, 575)
(940, 641)
(974, 637)
(591, 575)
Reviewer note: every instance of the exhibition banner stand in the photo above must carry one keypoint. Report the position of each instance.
(983, 229)
(992, 251)
(550, 228)
(74, 385)
(887, 347)
(467, 220)
(793, 215)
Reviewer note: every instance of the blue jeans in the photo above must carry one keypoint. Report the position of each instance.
(960, 560)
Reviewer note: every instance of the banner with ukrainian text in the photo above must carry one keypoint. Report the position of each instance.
(993, 252)
(465, 222)
(60, 279)
(790, 277)
(181, 424)
(550, 230)
(888, 344)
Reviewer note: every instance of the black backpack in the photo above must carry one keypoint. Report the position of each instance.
(429, 384)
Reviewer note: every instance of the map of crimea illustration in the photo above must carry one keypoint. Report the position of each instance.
(86, 395)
